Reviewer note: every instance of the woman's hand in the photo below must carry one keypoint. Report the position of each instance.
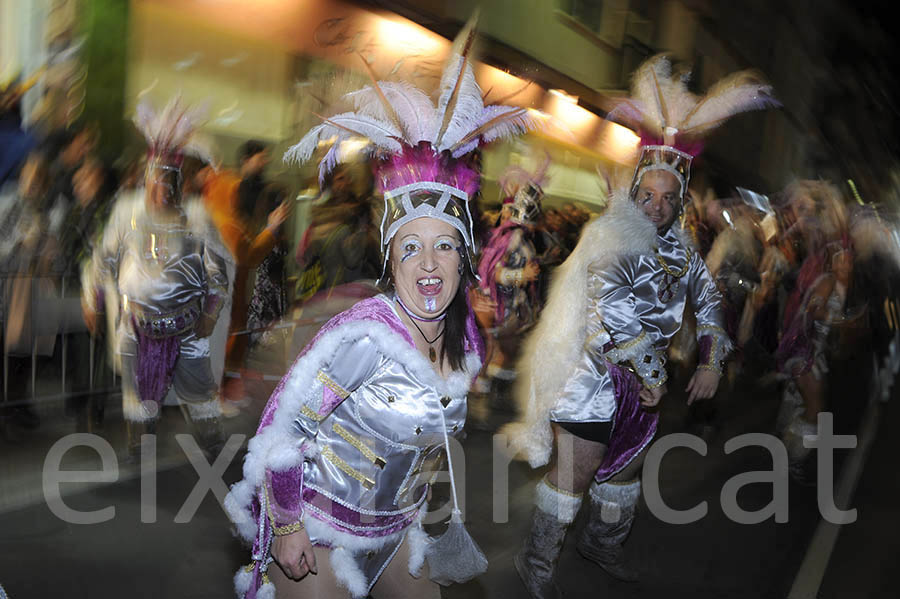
(294, 554)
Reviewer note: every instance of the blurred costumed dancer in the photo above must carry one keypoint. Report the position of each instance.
(336, 479)
(821, 224)
(594, 368)
(509, 270)
(160, 274)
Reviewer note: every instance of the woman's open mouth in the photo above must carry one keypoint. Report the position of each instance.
(429, 286)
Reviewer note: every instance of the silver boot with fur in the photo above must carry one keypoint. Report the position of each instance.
(555, 510)
(612, 512)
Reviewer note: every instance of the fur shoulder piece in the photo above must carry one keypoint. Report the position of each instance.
(556, 342)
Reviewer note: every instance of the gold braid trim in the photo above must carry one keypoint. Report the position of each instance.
(633, 342)
(280, 531)
(335, 388)
(309, 413)
(668, 269)
(364, 480)
(359, 445)
(714, 349)
(559, 490)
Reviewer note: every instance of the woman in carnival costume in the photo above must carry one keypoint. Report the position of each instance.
(336, 478)
(594, 368)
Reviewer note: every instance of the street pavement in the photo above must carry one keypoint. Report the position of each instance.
(43, 556)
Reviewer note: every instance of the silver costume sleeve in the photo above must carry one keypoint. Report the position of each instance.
(615, 332)
(354, 361)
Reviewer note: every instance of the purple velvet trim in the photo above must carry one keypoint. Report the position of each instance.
(155, 364)
(285, 496)
(633, 426)
(343, 514)
(422, 163)
(330, 401)
(704, 349)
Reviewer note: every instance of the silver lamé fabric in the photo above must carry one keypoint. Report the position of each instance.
(623, 305)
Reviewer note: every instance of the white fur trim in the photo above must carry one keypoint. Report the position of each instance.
(277, 447)
(203, 410)
(266, 591)
(553, 348)
(242, 580)
(418, 541)
(348, 573)
(616, 493)
(135, 410)
(564, 506)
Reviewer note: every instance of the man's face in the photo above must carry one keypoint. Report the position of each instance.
(658, 196)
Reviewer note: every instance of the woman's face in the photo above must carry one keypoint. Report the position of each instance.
(425, 264)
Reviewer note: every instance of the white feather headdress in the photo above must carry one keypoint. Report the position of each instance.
(172, 132)
(393, 115)
(672, 121)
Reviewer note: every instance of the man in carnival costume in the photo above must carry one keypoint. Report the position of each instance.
(509, 271)
(594, 368)
(336, 478)
(160, 274)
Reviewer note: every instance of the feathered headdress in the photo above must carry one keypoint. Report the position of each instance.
(672, 121)
(172, 132)
(524, 190)
(421, 148)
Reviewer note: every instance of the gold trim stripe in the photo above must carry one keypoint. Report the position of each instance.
(335, 388)
(312, 415)
(359, 445)
(364, 480)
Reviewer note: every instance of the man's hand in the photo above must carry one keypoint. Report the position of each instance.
(294, 554)
(650, 397)
(703, 384)
(204, 326)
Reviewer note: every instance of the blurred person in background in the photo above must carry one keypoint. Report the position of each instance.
(508, 268)
(72, 146)
(27, 252)
(249, 245)
(269, 298)
(93, 186)
(594, 370)
(820, 220)
(15, 142)
(339, 245)
(160, 275)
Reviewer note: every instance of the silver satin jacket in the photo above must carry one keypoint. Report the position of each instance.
(379, 446)
(636, 305)
(161, 274)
